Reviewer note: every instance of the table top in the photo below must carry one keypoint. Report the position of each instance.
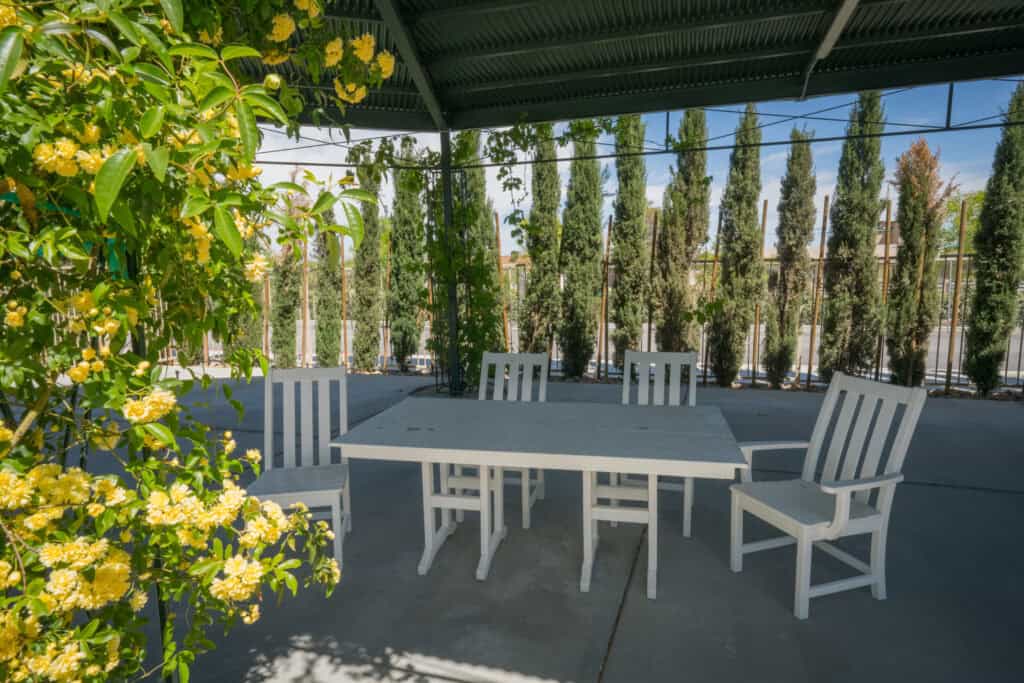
(680, 441)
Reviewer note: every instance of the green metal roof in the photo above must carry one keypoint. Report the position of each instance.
(466, 64)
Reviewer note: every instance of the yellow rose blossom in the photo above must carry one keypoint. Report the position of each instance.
(333, 52)
(364, 46)
(66, 167)
(15, 491)
(242, 172)
(82, 302)
(141, 369)
(275, 57)
(79, 373)
(256, 269)
(215, 39)
(14, 319)
(8, 16)
(152, 407)
(88, 353)
(282, 29)
(386, 62)
(138, 600)
(107, 437)
(65, 148)
(97, 366)
(6, 433)
(90, 134)
(350, 92)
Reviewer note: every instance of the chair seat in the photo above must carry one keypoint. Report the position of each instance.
(299, 479)
(801, 501)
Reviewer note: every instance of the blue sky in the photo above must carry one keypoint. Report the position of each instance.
(966, 157)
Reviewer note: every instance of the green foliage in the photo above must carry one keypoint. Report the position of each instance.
(852, 318)
(367, 274)
(539, 318)
(407, 251)
(326, 301)
(796, 229)
(285, 306)
(684, 228)
(951, 220)
(629, 232)
(999, 256)
(246, 327)
(913, 304)
(742, 279)
(581, 253)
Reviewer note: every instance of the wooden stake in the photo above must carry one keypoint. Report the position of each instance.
(305, 302)
(711, 298)
(757, 306)
(885, 282)
(344, 308)
(501, 278)
(266, 315)
(607, 291)
(387, 319)
(956, 296)
(650, 282)
(817, 290)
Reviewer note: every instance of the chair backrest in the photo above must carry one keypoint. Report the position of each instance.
(521, 367)
(304, 378)
(668, 370)
(867, 438)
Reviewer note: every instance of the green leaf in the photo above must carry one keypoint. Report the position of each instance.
(247, 127)
(152, 120)
(292, 584)
(161, 433)
(267, 105)
(183, 672)
(194, 205)
(285, 185)
(125, 26)
(11, 43)
(103, 40)
(174, 13)
(152, 74)
(325, 201)
(194, 50)
(360, 195)
(215, 97)
(157, 159)
(111, 178)
(354, 229)
(123, 215)
(226, 230)
(238, 51)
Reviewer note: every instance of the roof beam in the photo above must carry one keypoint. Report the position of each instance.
(474, 10)
(407, 51)
(839, 21)
(632, 33)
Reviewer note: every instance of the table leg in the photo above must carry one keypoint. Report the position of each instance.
(446, 513)
(432, 539)
(588, 531)
(652, 537)
(490, 538)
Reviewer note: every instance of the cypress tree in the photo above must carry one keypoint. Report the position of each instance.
(852, 316)
(285, 304)
(629, 246)
(480, 327)
(581, 252)
(913, 305)
(539, 317)
(999, 256)
(327, 302)
(796, 229)
(366, 289)
(684, 228)
(741, 283)
(406, 259)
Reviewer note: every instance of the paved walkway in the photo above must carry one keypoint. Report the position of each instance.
(955, 611)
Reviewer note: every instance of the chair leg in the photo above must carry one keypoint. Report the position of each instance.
(460, 515)
(652, 537)
(524, 482)
(541, 492)
(339, 530)
(736, 536)
(802, 597)
(613, 481)
(687, 506)
(346, 500)
(878, 564)
(589, 539)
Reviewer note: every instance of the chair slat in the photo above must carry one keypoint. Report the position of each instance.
(306, 421)
(873, 454)
(839, 434)
(854, 451)
(821, 428)
(512, 386)
(342, 402)
(268, 421)
(526, 386)
(288, 422)
(323, 422)
(659, 383)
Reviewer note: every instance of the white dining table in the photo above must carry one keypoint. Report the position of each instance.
(584, 437)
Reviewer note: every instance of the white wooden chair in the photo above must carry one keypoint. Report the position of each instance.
(517, 387)
(853, 493)
(663, 386)
(311, 478)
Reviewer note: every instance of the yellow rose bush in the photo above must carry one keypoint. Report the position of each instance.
(131, 215)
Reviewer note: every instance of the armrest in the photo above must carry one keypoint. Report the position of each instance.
(842, 490)
(748, 448)
(853, 485)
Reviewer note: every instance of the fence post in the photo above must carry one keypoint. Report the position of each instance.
(344, 308)
(711, 298)
(266, 315)
(650, 280)
(885, 284)
(501, 279)
(817, 287)
(954, 316)
(305, 301)
(607, 290)
(755, 352)
(386, 332)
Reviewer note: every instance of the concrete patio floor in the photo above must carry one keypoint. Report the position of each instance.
(955, 610)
